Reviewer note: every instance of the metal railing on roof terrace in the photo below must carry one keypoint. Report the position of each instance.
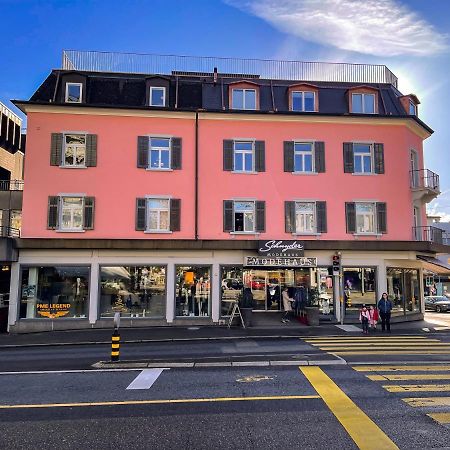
(94, 61)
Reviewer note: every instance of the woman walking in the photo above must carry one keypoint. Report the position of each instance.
(287, 305)
(385, 308)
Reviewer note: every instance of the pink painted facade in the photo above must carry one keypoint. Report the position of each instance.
(116, 182)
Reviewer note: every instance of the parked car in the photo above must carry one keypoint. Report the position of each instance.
(438, 303)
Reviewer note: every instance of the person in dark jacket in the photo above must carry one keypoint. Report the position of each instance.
(385, 308)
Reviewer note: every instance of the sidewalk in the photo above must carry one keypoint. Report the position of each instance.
(195, 333)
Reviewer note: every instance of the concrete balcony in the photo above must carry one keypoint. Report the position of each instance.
(424, 185)
(428, 234)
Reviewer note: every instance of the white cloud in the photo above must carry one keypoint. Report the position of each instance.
(376, 27)
(440, 207)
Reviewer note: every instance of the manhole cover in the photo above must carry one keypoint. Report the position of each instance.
(255, 378)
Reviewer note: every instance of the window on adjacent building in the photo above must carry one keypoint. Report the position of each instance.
(244, 216)
(303, 157)
(158, 218)
(365, 217)
(74, 92)
(363, 103)
(157, 96)
(244, 156)
(412, 108)
(74, 150)
(363, 158)
(15, 219)
(159, 153)
(244, 99)
(71, 213)
(305, 221)
(303, 101)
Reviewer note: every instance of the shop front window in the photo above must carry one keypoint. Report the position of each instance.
(193, 291)
(134, 291)
(403, 290)
(359, 288)
(231, 288)
(54, 292)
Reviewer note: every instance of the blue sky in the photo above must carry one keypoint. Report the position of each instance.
(409, 36)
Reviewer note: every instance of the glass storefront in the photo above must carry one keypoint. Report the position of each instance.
(359, 288)
(54, 292)
(134, 291)
(193, 291)
(403, 290)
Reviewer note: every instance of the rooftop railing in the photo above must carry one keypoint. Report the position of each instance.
(94, 61)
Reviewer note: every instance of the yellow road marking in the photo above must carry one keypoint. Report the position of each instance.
(162, 402)
(393, 352)
(427, 401)
(417, 387)
(423, 376)
(442, 418)
(436, 368)
(364, 432)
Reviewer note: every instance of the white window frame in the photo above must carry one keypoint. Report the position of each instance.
(159, 210)
(244, 90)
(314, 218)
(152, 88)
(302, 154)
(159, 150)
(374, 208)
(303, 100)
(253, 212)
(363, 103)
(67, 92)
(60, 212)
(72, 166)
(361, 156)
(414, 108)
(244, 152)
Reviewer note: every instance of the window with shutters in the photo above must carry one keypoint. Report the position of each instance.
(74, 93)
(159, 153)
(158, 214)
(244, 160)
(363, 103)
(305, 217)
(74, 154)
(157, 96)
(244, 216)
(243, 99)
(365, 217)
(303, 101)
(71, 213)
(303, 157)
(363, 158)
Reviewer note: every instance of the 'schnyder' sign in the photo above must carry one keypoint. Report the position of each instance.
(281, 248)
(258, 261)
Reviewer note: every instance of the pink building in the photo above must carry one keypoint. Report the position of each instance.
(155, 195)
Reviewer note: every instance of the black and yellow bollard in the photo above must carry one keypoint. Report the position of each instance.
(115, 346)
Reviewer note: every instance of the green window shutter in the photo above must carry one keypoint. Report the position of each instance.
(289, 217)
(88, 219)
(350, 215)
(228, 216)
(288, 154)
(378, 150)
(56, 149)
(176, 154)
(91, 150)
(53, 213)
(319, 155)
(381, 218)
(228, 150)
(349, 164)
(140, 214)
(321, 217)
(142, 152)
(260, 156)
(175, 206)
(260, 207)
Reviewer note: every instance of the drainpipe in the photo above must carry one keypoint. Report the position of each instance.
(196, 175)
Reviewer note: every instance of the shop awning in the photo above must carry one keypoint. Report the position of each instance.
(435, 265)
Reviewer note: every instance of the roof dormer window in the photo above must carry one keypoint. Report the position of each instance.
(363, 103)
(412, 108)
(303, 101)
(157, 96)
(74, 92)
(243, 99)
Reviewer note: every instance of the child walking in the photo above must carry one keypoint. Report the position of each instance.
(373, 312)
(364, 318)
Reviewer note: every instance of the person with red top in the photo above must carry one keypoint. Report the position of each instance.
(374, 317)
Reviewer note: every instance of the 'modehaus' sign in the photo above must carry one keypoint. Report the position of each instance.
(278, 248)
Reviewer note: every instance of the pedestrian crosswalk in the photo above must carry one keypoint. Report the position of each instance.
(435, 380)
(380, 345)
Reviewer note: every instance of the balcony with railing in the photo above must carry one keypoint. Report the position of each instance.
(428, 234)
(425, 185)
(11, 185)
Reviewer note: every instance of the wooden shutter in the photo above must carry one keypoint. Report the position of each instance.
(228, 150)
(321, 217)
(88, 219)
(175, 206)
(56, 149)
(140, 214)
(350, 215)
(289, 217)
(142, 151)
(260, 207)
(378, 150)
(381, 218)
(228, 216)
(319, 156)
(176, 154)
(91, 150)
(260, 156)
(53, 213)
(288, 154)
(349, 166)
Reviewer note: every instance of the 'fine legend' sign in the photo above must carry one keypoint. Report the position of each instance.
(292, 249)
(258, 261)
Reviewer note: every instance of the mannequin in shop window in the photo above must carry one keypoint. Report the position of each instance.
(79, 296)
